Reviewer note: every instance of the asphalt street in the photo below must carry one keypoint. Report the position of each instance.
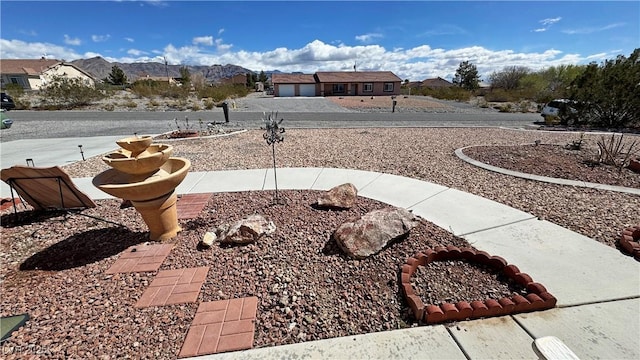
(65, 124)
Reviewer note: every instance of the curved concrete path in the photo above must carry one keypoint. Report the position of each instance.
(597, 287)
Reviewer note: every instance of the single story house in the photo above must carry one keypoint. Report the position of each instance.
(160, 79)
(436, 83)
(34, 74)
(337, 83)
(237, 79)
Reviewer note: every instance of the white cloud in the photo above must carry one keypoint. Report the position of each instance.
(547, 23)
(417, 63)
(136, 52)
(220, 31)
(129, 39)
(365, 38)
(203, 40)
(71, 41)
(18, 49)
(590, 30)
(100, 38)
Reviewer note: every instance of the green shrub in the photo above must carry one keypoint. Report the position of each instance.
(68, 93)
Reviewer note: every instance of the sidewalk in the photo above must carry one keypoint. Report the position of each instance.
(597, 287)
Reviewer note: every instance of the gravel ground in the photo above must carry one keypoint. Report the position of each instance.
(53, 266)
(426, 154)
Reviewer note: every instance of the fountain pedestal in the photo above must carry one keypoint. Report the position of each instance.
(160, 215)
(146, 175)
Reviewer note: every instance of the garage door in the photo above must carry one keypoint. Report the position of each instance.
(286, 90)
(307, 90)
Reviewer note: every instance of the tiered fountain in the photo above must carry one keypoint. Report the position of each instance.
(146, 175)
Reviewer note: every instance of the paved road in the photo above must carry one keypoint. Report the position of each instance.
(62, 124)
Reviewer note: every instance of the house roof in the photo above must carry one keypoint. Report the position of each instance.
(293, 79)
(26, 66)
(436, 82)
(356, 76)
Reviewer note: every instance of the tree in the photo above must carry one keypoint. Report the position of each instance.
(117, 76)
(509, 78)
(467, 76)
(263, 77)
(185, 74)
(251, 82)
(608, 95)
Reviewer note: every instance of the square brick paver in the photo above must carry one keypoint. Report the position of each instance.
(177, 286)
(190, 205)
(141, 258)
(219, 326)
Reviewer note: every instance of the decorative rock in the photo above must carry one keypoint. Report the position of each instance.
(245, 231)
(373, 231)
(208, 239)
(341, 196)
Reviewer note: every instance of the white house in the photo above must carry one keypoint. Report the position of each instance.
(34, 74)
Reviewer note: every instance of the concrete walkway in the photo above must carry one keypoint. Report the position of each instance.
(597, 287)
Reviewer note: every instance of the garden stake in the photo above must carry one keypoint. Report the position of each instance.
(274, 134)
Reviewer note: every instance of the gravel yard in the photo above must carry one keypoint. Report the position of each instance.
(53, 266)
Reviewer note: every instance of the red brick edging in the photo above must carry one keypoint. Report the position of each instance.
(537, 298)
(630, 241)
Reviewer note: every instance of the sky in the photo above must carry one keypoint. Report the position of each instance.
(416, 40)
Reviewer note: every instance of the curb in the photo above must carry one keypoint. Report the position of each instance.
(460, 154)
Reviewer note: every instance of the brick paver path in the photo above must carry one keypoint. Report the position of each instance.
(190, 205)
(176, 286)
(141, 258)
(220, 326)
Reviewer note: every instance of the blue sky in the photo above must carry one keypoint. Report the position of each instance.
(416, 40)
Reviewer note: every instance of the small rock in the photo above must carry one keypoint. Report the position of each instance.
(245, 231)
(342, 196)
(208, 239)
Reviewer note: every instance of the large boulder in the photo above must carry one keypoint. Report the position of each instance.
(244, 231)
(341, 196)
(373, 231)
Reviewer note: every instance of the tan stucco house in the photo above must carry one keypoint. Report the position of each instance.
(34, 74)
(337, 83)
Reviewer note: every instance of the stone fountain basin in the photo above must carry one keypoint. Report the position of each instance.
(146, 162)
(135, 144)
(143, 187)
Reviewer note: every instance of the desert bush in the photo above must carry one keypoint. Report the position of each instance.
(68, 93)
(130, 104)
(108, 107)
(447, 93)
(614, 151)
(209, 104)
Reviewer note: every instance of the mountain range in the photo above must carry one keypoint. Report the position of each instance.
(100, 68)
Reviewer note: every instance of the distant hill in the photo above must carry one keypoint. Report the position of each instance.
(101, 68)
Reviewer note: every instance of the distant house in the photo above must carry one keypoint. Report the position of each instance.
(238, 79)
(337, 83)
(34, 74)
(147, 77)
(436, 83)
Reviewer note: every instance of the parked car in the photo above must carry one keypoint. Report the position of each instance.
(6, 102)
(555, 111)
(5, 122)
